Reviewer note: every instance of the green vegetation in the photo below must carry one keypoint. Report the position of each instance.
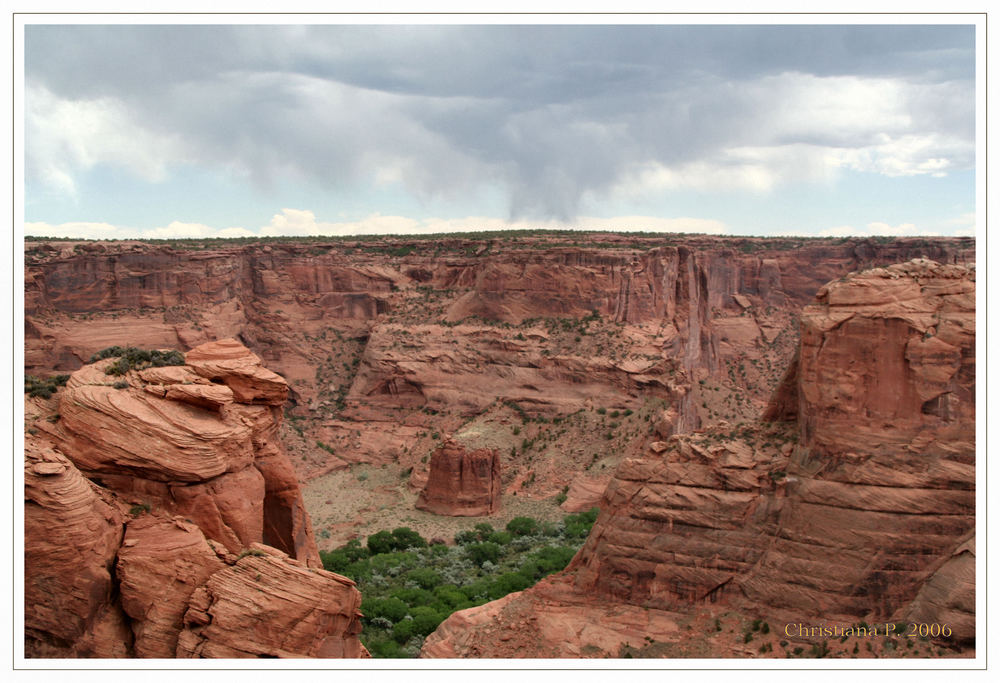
(410, 587)
(131, 358)
(43, 387)
(140, 508)
(250, 552)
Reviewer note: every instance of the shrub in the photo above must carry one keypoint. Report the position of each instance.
(450, 596)
(476, 589)
(385, 649)
(499, 537)
(578, 526)
(424, 577)
(522, 526)
(131, 358)
(339, 559)
(43, 387)
(414, 597)
(466, 537)
(381, 542)
(393, 564)
(392, 609)
(138, 509)
(405, 537)
(552, 559)
(425, 620)
(358, 571)
(403, 631)
(483, 552)
(508, 583)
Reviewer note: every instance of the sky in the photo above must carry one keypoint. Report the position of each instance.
(167, 131)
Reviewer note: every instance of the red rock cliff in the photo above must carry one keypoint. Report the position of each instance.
(280, 299)
(861, 509)
(217, 552)
(387, 341)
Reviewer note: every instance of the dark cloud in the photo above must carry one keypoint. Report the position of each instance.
(549, 112)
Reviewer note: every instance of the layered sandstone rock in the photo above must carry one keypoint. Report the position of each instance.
(948, 597)
(296, 612)
(209, 452)
(547, 621)
(331, 317)
(584, 493)
(202, 475)
(858, 510)
(889, 355)
(72, 533)
(883, 482)
(160, 564)
(239, 369)
(462, 483)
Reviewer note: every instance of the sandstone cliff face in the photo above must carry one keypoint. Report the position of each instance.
(287, 300)
(462, 483)
(386, 342)
(860, 509)
(144, 491)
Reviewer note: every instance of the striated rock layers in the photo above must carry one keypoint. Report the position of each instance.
(859, 508)
(388, 340)
(373, 325)
(462, 483)
(163, 519)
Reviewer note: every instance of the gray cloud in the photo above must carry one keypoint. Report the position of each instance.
(550, 113)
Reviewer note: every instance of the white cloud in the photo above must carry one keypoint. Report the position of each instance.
(107, 231)
(81, 230)
(755, 169)
(180, 230)
(452, 118)
(963, 225)
(64, 137)
(298, 222)
(795, 127)
(907, 155)
(878, 228)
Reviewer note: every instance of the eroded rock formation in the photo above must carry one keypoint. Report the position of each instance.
(147, 495)
(462, 483)
(378, 338)
(859, 509)
(72, 531)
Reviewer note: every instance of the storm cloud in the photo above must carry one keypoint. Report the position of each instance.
(550, 115)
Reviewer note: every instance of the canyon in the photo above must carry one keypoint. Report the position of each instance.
(752, 444)
(849, 502)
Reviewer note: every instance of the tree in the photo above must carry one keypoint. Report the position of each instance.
(522, 526)
(405, 537)
(481, 552)
(381, 542)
